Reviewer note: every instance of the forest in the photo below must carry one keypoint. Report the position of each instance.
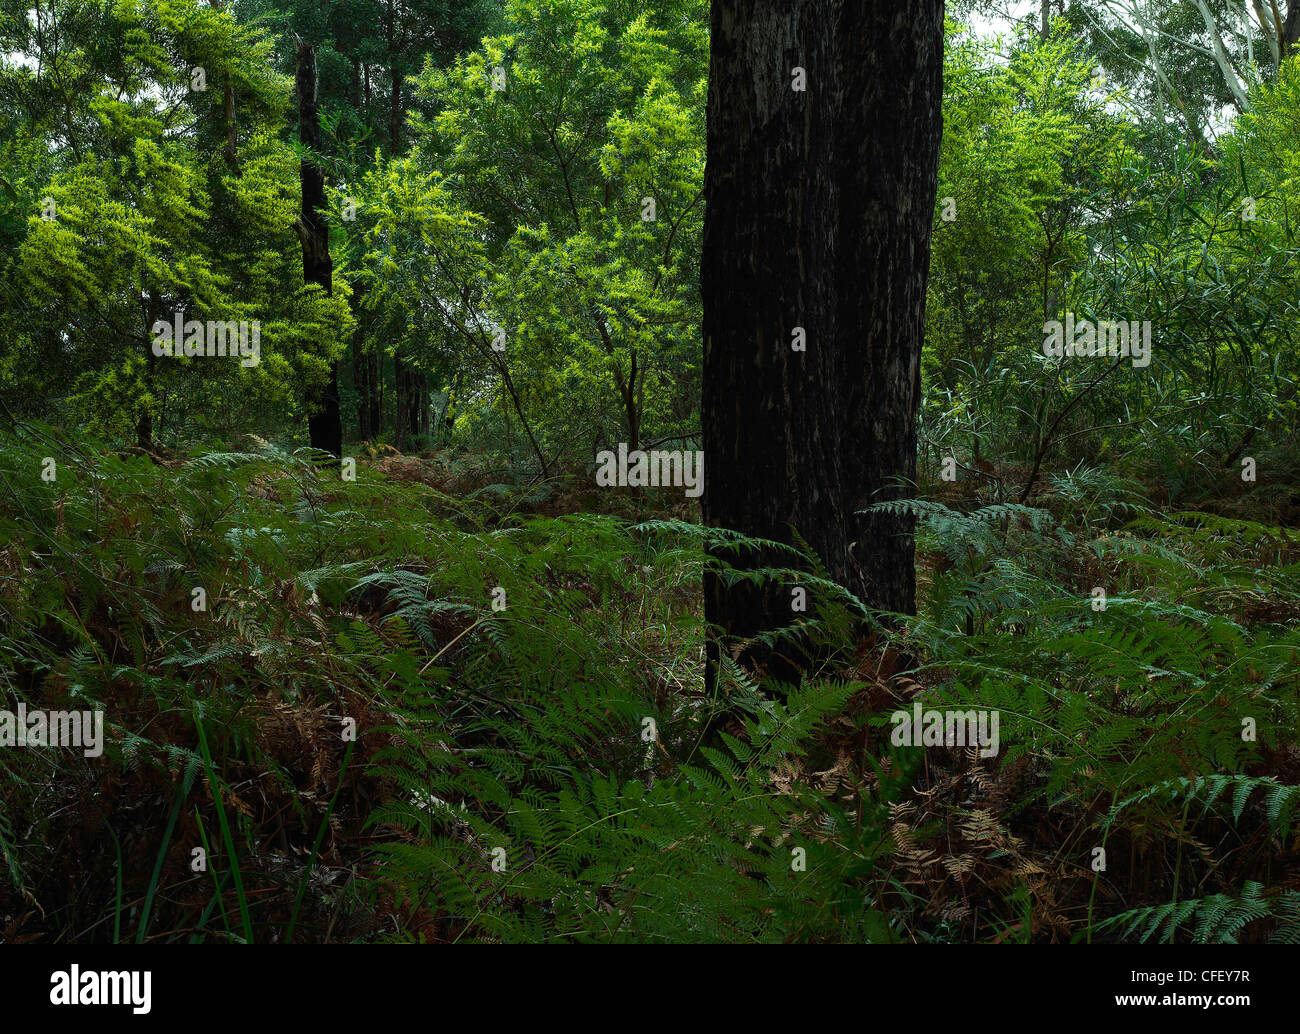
(362, 578)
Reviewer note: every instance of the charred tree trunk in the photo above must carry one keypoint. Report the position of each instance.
(324, 423)
(888, 165)
(815, 261)
(631, 410)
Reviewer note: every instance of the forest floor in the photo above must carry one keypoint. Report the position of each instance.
(430, 704)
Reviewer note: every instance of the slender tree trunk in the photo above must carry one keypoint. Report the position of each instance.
(144, 422)
(627, 392)
(400, 403)
(816, 255)
(228, 102)
(395, 90)
(365, 372)
(403, 403)
(395, 113)
(360, 380)
(626, 386)
(324, 423)
(232, 127)
(144, 430)
(374, 392)
(422, 399)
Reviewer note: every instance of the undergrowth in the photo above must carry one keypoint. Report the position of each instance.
(404, 714)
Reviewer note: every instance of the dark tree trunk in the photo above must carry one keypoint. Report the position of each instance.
(631, 410)
(144, 429)
(422, 400)
(372, 400)
(412, 387)
(818, 213)
(401, 404)
(324, 423)
(1291, 29)
(231, 153)
(395, 91)
(395, 113)
(144, 421)
(405, 402)
(888, 163)
(365, 372)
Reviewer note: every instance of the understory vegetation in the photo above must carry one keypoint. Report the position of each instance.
(518, 733)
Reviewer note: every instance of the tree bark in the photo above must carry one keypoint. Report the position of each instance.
(412, 406)
(1290, 30)
(395, 90)
(325, 425)
(144, 420)
(889, 163)
(395, 113)
(818, 213)
(365, 372)
(230, 152)
(401, 401)
(422, 398)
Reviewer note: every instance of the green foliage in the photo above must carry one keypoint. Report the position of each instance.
(136, 213)
(1218, 919)
(525, 210)
(521, 727)
(1137, 719)
(502, 666)
(1054, 199)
